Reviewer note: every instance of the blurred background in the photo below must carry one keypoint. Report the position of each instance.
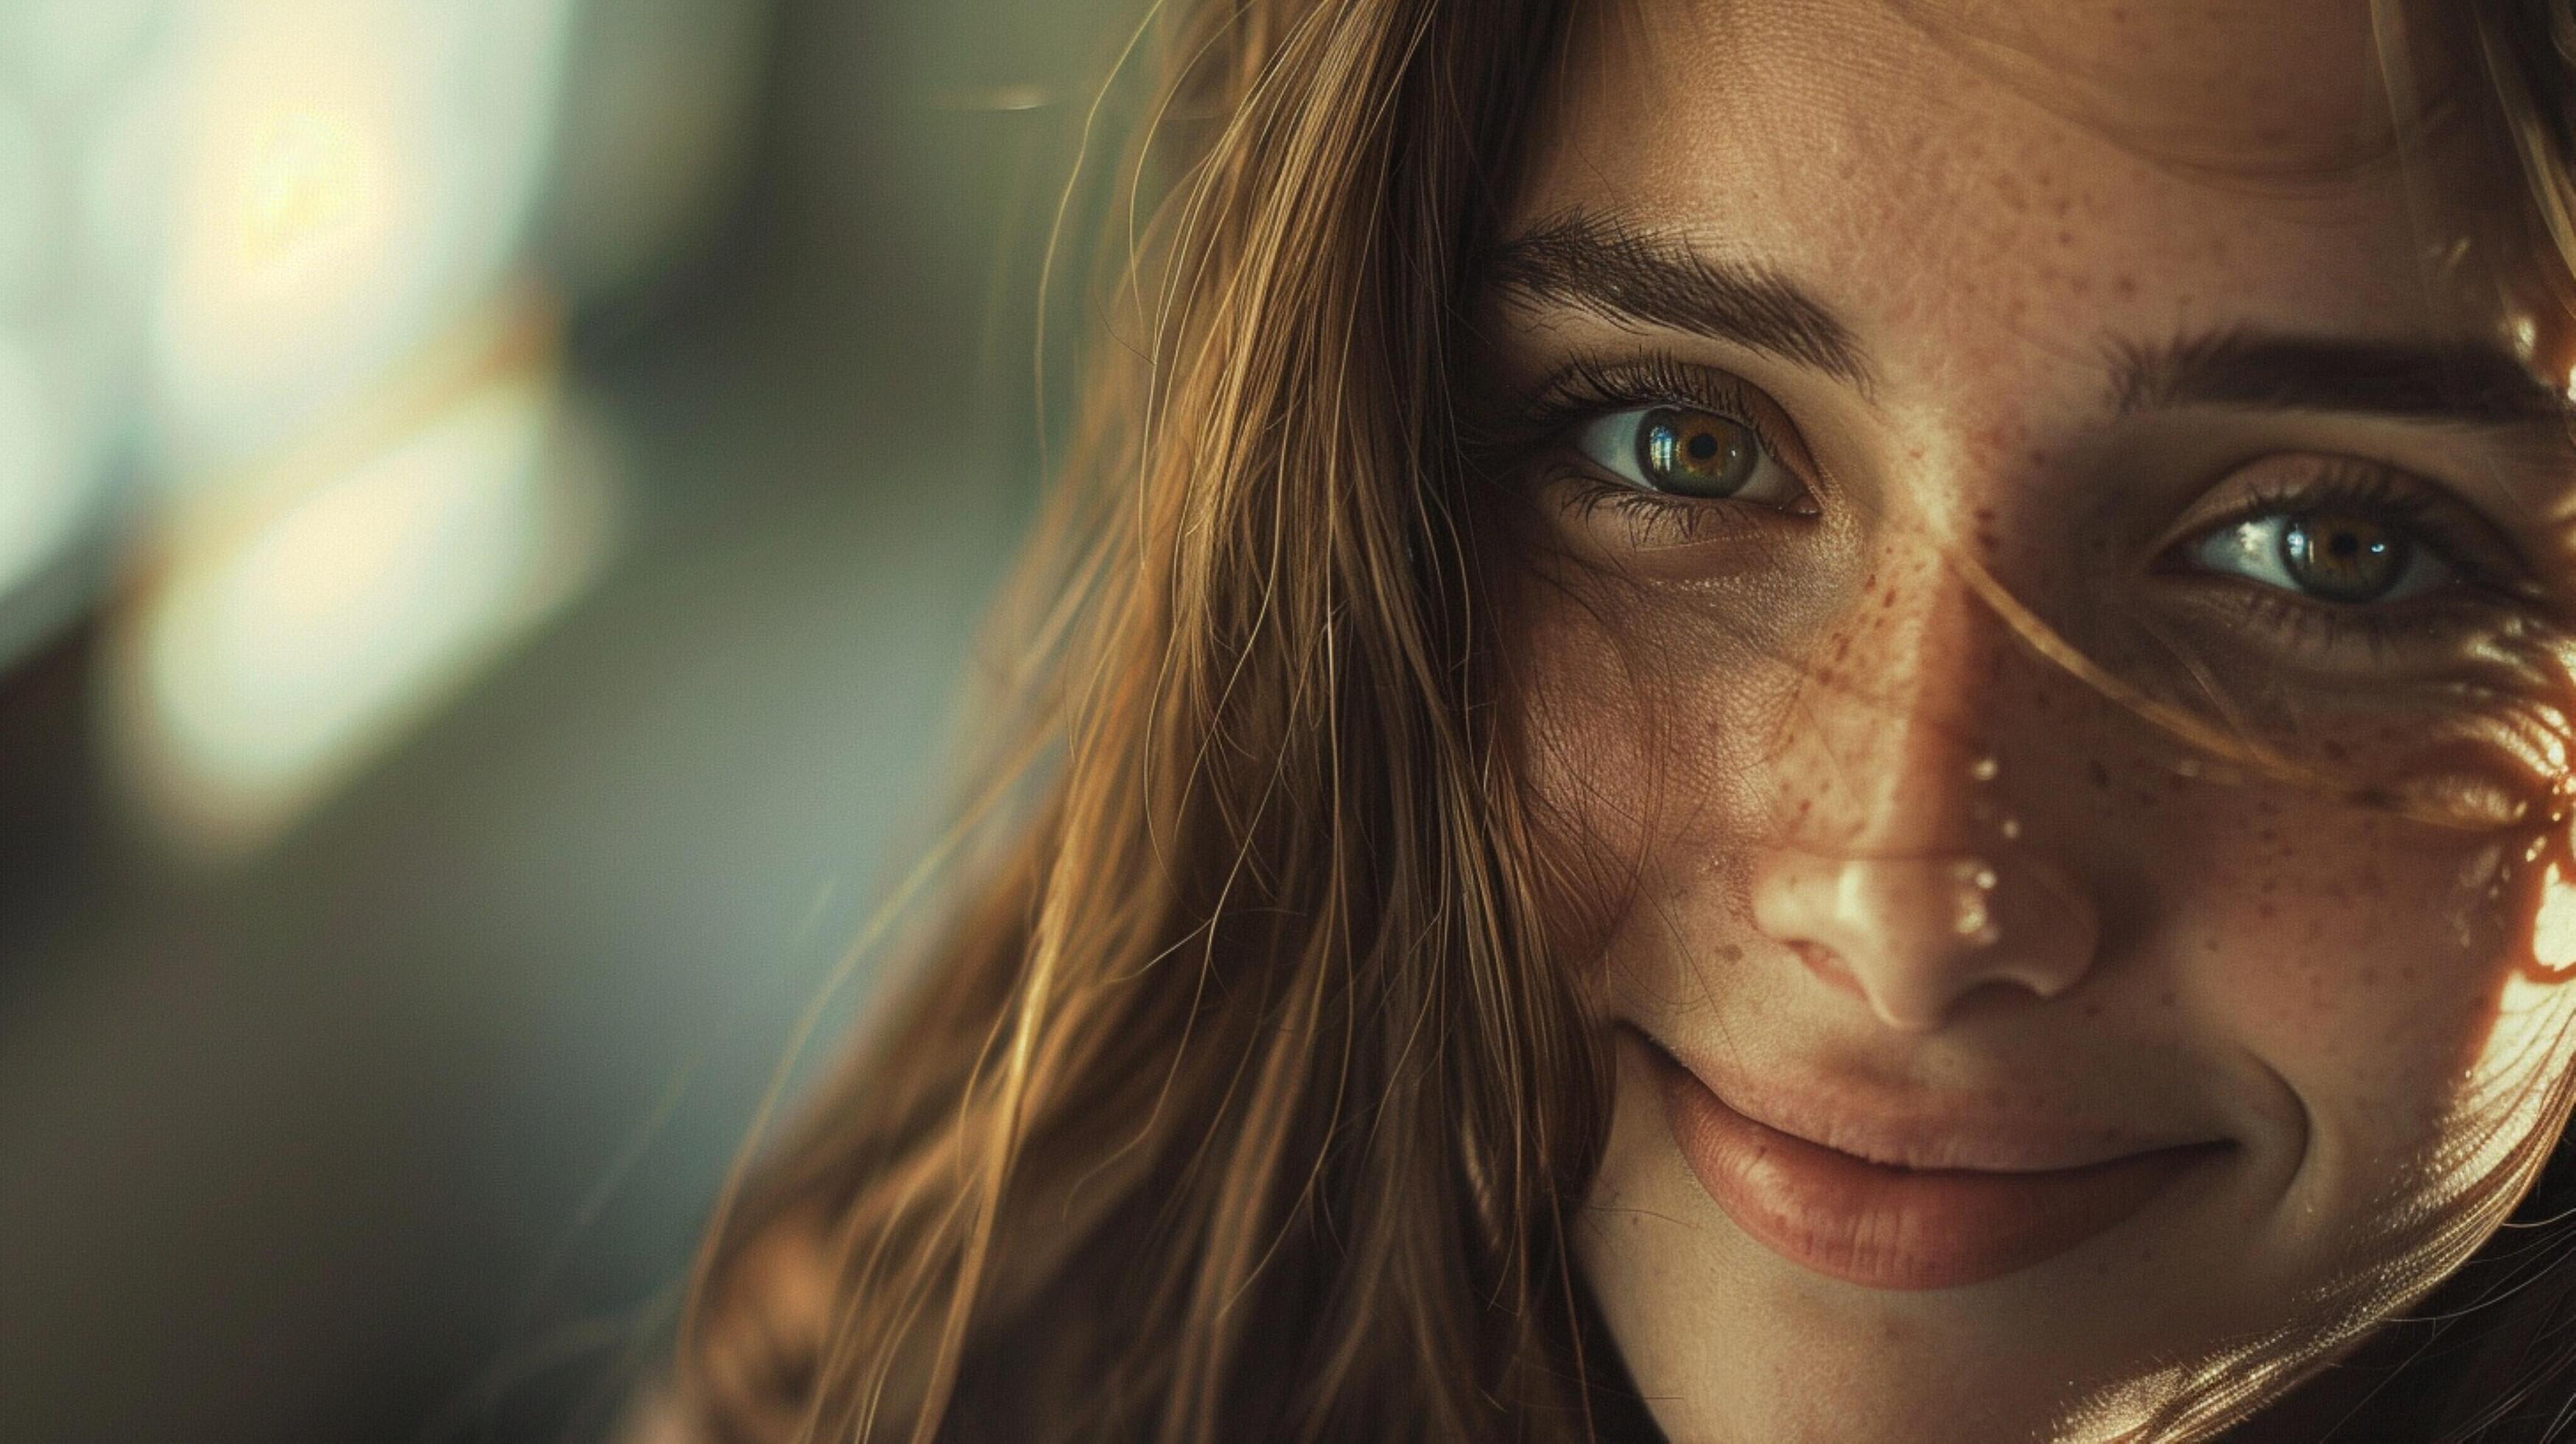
(495, 501)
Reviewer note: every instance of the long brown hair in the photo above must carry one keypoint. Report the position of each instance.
(1239, 1093)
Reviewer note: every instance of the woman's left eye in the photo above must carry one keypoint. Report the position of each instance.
(1687, 452)
(2345, 556)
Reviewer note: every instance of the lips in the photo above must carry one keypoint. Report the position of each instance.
(1885, 1226)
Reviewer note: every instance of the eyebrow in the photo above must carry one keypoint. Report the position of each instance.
(2456, 382)
(1617, 270)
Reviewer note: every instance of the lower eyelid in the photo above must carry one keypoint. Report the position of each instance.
(1670, 520)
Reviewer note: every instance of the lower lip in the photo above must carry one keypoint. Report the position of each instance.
(1899, 1228)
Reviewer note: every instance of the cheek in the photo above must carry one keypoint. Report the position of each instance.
(2382, 971)
(1641, 739)
(1578, 714)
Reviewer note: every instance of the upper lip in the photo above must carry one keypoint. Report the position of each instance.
(1913, 1128)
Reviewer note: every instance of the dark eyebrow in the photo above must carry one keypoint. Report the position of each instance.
(2463, 382)
(1616, 269)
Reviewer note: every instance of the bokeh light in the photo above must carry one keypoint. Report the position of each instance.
(495, 496)
(355, 172)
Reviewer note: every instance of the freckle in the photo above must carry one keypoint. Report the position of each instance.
(2369, 977)
(2100, 774)
(2124, 286)
(1730, 953)
(2093, 1010)
(2266, 911)
(2066, 238)
(2171, 999)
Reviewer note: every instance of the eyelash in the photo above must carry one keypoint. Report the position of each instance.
(1587, 387)
(1590, 386)
(2378, 493)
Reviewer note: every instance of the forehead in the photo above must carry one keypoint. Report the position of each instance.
(2154, 165)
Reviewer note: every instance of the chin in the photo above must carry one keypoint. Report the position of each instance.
(1799, 1368)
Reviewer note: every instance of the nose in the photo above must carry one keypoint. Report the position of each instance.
(1914, 936)
(1906, 867)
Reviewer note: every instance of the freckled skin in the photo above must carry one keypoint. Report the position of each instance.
(1984, 190)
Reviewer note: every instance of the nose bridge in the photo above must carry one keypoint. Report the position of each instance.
(1890, 748)
(1900, 871)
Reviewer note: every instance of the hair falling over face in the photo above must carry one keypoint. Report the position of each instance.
(1251, 1076)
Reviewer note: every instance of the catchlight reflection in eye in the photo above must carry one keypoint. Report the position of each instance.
(1684, 451)
(2331, 554)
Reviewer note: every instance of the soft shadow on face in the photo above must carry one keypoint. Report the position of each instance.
(2043, 649)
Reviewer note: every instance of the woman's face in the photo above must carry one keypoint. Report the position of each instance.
(2042, 645)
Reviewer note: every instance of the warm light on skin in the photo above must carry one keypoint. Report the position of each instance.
(2553, 927)
(1780, 738)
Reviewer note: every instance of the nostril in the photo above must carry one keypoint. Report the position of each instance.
(1828, 967)
(1914, 937)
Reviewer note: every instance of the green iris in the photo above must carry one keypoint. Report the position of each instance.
(1696, 453)
(2344, 556)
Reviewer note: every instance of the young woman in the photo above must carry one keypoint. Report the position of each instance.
(1763, 719)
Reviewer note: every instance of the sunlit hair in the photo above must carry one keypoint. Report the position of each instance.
(1236, 1091)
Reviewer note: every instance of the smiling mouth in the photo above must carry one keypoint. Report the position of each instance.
(1883, 1226)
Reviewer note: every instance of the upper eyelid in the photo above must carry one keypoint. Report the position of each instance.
(1588, 386)
(1669, 382)
(2447, 521)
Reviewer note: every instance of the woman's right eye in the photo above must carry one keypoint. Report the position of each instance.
(1686, 452)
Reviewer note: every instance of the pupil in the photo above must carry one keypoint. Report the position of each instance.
(1689, 452)
(2343, 558)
